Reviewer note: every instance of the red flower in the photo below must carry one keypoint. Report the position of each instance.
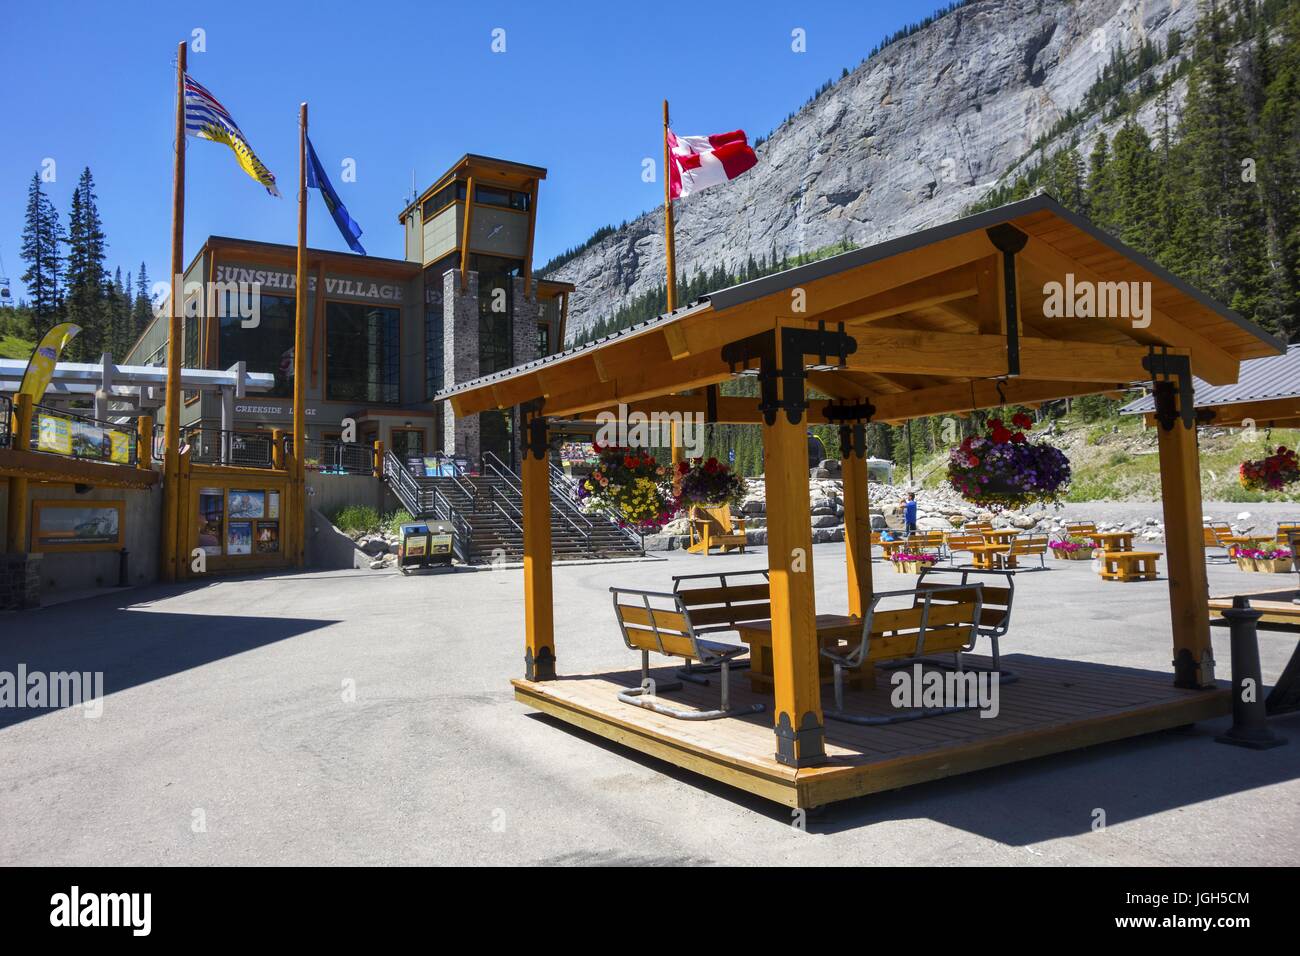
(1018, 438)
(1022, 421)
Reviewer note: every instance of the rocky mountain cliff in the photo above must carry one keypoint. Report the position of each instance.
(910, 138)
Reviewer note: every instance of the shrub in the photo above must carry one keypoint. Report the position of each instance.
(356, 519)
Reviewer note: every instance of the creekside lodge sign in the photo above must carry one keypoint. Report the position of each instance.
(274, 280)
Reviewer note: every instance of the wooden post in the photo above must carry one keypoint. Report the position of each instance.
(20, 440)
(296, 515)
(377, 467)
(670, 252)
(144, 442)
(464, 235)
(676, 441)
(172, 433)
(277, 448)
(1189, 591)
(799, 731)
(539, 612)
(857, 517)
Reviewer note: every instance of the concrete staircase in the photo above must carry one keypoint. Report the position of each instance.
(487, 511)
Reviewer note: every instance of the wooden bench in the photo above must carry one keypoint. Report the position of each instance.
(1028, 545)
(940, 620)
(1128, 565)
(1080, 529)
(663, 623)
(961, 541)
(715, 528)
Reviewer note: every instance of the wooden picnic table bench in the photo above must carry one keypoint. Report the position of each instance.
(1280, 612)
(1128, 565)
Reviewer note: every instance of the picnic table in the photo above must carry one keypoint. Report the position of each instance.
(1113, 540)
(832, 629)
(999, 535)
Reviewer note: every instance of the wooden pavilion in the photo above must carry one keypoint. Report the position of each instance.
(944, 321)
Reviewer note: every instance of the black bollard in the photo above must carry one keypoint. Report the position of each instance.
(123, 577)
(1249, 722)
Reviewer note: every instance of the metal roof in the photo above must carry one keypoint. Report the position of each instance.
(833, 265)
(1260, 380)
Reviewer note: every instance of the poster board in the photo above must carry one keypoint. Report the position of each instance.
(77, 525)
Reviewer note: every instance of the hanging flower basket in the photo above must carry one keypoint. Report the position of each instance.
(1004, 469)
(630, 481)
(912, 562)
(1071, 549)
(1271, 473)
(707, 483)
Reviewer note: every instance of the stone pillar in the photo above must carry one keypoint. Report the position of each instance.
(460, 358)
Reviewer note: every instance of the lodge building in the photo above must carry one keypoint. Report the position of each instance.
(383, 335)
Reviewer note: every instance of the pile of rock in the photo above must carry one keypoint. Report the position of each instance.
(380, 548)
(939, 509)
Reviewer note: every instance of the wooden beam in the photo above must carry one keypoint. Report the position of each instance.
(963, 397)
(539, 611)
(732, 410)
(799, 721)
(1265, 414)
(985, 356)
(959, 283)
(1189, 592)
(1209, 361)
(663, 378)
(857, 531)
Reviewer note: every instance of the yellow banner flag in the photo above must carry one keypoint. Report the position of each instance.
(40, 368)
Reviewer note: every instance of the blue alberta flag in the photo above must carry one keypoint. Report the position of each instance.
(317, 179)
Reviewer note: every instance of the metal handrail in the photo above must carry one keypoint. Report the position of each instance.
(412, 496)
(80, 443)
(245, 449)
(337, 457)
(494, 464)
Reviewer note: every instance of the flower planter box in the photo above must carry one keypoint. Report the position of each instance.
(911, 567)
(1264, 565)
(1079, 554)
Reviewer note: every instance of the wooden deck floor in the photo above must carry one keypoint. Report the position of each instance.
(1057, 705)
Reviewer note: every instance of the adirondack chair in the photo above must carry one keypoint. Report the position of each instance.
(715, 528)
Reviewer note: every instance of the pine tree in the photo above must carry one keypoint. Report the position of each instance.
(142, 310)
(84, 276)
(1279, 179)
(40, 250)
(1100, 203)
(1131, 180)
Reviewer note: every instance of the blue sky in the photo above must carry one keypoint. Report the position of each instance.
(396, 86)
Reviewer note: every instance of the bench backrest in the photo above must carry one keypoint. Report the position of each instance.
(1029, 544)
(960, 542)
(719, 519)
(1285, 528)
(997, 595)
(655, 621)
(940, 619)
(1080, 528)
(1209, 537)
(723, 601)
(975, 527)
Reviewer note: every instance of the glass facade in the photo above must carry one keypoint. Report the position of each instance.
(495, 342)
(433, 336)
(361, 353)
(266, 347)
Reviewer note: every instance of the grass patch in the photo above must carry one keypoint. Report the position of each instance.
(363, 519)
(12, 347)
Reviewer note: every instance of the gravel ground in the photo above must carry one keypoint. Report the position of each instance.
(360, 717)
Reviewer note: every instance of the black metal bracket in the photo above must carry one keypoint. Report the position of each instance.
(541, 667)
(1171, 388)
(711, 405)
(805, 747)
(533, 425)
(781, 386)
(852, 419)
(1009, 240)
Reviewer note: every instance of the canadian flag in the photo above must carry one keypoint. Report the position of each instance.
(702, 161)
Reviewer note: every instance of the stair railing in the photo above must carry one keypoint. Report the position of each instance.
(421, 501)
(495, 467)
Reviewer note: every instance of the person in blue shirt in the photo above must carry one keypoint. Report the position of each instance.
(909, 513)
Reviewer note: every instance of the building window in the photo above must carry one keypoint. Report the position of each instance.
(434, 368)
(543, 339)
(495, 345)
(443, 198)
(361, 353)
(266, 347)
(507, 198)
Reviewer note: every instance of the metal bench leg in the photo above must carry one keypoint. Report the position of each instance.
(642, 697)
(695, 673)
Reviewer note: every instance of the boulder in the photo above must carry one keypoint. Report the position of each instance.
(658, 542)
(832, 466)
(373, 545)
(823, 506)
(827, 535)
(754, 506)
(933, 523)
(825, 520)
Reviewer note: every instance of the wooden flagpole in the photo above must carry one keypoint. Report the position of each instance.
(298, 517)
(171, 558)
(671, 279)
